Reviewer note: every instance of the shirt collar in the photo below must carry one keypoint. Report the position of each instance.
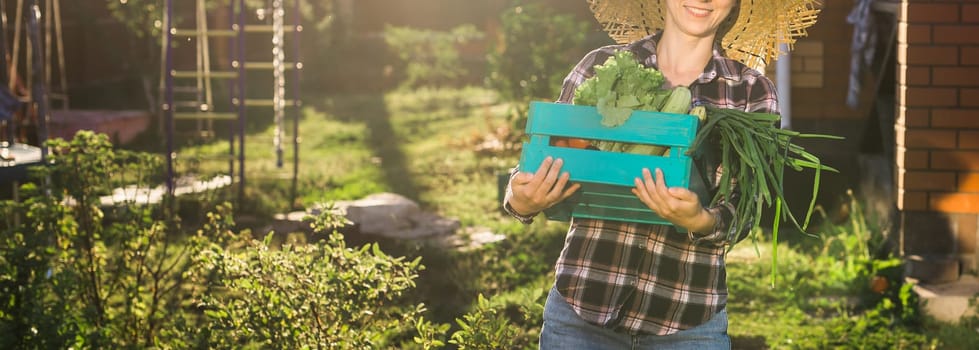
(718, 66)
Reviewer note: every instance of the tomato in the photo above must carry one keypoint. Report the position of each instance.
(879, 284)
(578, 143)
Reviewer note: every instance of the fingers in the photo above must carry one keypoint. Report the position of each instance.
(646, 191)
(535, 179)
(661, 184)
(522, 178)
(552, 178)
(677, 197)
(570, 191)
(683, 194)
(538, 177)
(543, 188)
(560, 190)
(643, 195)
(656, 195)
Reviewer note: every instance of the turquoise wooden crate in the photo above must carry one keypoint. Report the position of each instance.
(607, 177)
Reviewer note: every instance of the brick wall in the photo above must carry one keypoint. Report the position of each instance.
(821, 68)
(937, 129)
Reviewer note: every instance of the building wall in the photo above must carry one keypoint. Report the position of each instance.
(937, 130)
(821, 68)
(820, 73)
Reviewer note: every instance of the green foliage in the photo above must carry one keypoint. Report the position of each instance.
(620, 85)
(886, 326)
(430, 335)
(79, 273)
(886, 319)
(498, 323)
(143, 18)
(534, 52)
(825, 297)
(430, 57)
(322, 295)
(76, 273)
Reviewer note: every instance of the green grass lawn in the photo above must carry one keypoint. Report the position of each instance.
(421, 144)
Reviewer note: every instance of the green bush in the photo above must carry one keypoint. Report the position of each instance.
(430, 57)
(829, 293)
(80, 274)
(535, 52)
(318, 295)
(75, 273)
(502, 322)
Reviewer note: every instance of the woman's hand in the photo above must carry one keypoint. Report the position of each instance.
(677, 205)
(534, 192)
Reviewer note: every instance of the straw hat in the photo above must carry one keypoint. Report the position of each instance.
(754, 37)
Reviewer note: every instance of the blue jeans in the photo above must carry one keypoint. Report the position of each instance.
(564, 330)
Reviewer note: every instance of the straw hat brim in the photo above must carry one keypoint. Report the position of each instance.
(754, 37)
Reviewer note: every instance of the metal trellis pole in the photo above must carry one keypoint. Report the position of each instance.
(278, 80)
(297, 27)
(5, 73)
(232, 88)
(168, 92)
(15, 55)
(38, 90)
(241, 102)
(63, 74)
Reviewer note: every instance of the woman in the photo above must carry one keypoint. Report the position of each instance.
(627, 285)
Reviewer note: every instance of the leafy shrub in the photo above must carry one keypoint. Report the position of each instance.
(827, 291)
(502, 321)
(322, 295)
(75, 273)
(888, 325)
(431, 57)
(535, 51)
(80, 274)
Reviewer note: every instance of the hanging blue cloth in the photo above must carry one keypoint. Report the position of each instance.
(8, 103)
(862, 48)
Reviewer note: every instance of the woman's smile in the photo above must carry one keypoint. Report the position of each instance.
(698, 12)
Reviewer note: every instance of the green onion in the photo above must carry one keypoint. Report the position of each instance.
(754, 153)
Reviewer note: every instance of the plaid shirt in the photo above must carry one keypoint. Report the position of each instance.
(650, 278)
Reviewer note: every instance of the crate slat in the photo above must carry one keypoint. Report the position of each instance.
(555, 119)
(609, 168)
